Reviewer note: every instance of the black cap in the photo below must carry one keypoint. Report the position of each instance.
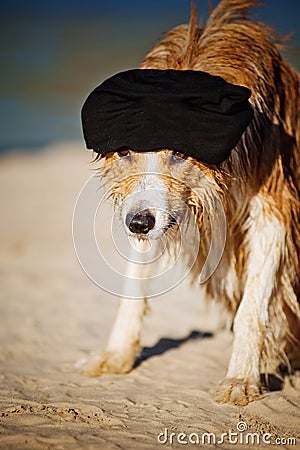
(186, 111)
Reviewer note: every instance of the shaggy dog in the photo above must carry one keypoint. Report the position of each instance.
(257, 279)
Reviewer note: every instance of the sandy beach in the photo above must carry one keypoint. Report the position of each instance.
(53, 316)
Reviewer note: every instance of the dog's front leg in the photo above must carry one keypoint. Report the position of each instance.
(266, 237)
(124, 342)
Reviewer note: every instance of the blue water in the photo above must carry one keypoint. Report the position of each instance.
(54, 53)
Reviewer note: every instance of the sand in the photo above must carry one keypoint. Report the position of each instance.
(53, 316)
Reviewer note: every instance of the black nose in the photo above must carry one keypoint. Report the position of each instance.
(141, 223)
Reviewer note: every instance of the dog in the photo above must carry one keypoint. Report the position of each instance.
(257, 183)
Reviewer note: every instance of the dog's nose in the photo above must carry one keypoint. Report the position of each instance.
(141, 223)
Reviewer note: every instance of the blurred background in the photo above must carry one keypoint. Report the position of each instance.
(54, 52)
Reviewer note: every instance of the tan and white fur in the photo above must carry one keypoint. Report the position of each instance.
(257, 279)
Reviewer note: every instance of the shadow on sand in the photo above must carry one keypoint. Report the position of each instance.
(270, 383)
(165, 344)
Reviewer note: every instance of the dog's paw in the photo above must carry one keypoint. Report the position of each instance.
(238, 391)
(106, 363)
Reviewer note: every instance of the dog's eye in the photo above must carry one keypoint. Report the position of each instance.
(179, 156)
(123, 152)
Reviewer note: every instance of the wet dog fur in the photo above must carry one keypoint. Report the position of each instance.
(257, 279)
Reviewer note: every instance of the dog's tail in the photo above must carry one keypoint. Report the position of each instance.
(177, 49)
(192, 39)
(180, 48)
(231, 10)
(227, 11)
